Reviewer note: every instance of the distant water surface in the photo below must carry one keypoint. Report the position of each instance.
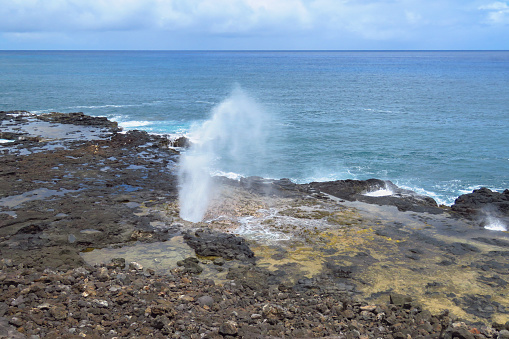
(436, 122)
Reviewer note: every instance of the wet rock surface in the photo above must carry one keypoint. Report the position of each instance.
(67, 190)
(78, 194)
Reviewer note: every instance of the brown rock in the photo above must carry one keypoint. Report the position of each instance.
(58, 312)
(229, 328)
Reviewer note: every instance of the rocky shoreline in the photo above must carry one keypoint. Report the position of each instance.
(73, 183)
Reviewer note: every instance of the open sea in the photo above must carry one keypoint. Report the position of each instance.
(436, 122)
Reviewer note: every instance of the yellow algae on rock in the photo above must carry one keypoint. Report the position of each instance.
(437, 260)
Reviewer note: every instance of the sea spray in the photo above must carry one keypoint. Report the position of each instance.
(232, 140)
(491, 218)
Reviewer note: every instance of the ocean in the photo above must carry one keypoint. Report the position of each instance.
(436, 122)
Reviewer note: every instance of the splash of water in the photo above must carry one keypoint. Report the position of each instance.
(383, 192)
(495, 224)
(491, 219)
(232, 140)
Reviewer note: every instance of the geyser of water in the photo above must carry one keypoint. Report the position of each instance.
(232, 140)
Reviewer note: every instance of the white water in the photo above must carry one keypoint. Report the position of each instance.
(495, 224)
(380, 193)
(232, 140)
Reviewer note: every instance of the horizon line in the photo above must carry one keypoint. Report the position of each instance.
(254, 50)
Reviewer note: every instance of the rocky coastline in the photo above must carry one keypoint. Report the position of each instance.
(72, 184)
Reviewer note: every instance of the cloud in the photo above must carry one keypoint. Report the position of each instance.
(280, 23)
(214, 15)
(377, 20)
(60, 15)
(498, 13)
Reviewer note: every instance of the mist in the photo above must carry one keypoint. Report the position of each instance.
(491, 219)
(232, 141)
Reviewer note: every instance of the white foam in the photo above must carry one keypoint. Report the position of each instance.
(134, 123)
(494, 224)
(384, 192)
(440, 199)
(229, 175)
(4, 141)
(252, 228)
(102, 106)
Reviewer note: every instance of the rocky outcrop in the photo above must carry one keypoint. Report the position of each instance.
(482, 200)
(206, 243)
(359, 190)
(180, 142)
(79, 118)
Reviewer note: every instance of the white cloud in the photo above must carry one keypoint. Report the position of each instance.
(370, 19)
(327, 23)
(59, 15)
(498, 12)
(215, 15)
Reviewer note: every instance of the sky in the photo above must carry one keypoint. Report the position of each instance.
(254, 25)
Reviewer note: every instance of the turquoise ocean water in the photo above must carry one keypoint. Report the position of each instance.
(435, 122)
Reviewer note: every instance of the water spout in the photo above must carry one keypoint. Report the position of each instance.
(230, 141)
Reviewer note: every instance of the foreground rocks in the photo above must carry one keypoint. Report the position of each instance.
(111, 301)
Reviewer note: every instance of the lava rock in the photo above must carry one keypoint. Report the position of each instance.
(473, 205)
(190, 265)
(206, 242)
(355, 190)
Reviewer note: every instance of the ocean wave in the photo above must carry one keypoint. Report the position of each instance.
(100, 106)
(42, 111)
(115, 105)
(134, 123)
(377, 110)
(229, 175)
(441, 199)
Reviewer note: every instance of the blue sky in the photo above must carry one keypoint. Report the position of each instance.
(254, 24)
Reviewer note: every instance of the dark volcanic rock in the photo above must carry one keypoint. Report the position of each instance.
(265, 187)
(206, 242)
(190, 265)
(348, 189)
(482, 201)
(66, 194)
(180, 142)
(63, 304)
(357, 190)
(78, 118)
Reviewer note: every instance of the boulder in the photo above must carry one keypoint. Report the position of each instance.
(482, 201)
(180, 142)
(208, 243)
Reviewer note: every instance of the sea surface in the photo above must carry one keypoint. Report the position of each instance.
(436, 122)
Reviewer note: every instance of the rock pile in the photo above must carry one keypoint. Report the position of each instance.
(111, 301)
